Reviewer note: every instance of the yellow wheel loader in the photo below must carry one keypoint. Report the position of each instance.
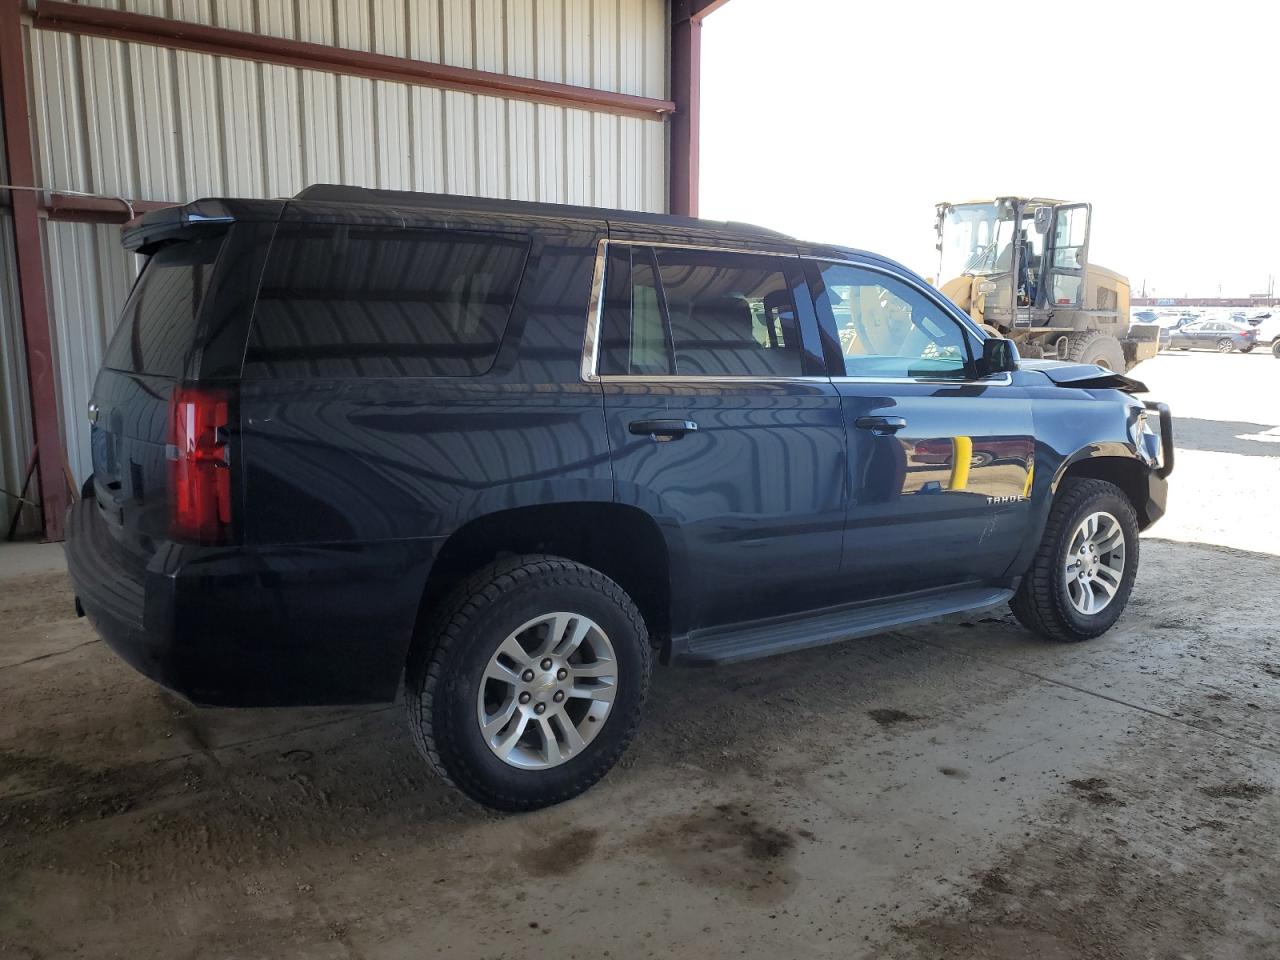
(1020, 266)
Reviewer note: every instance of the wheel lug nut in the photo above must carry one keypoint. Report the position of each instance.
(546, 664)
(540, 708)
(524, 698)
(527, 676)
(559, 695)
(561, 673)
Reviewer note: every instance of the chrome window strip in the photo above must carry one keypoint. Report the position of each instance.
(595, 314)
(595, 320)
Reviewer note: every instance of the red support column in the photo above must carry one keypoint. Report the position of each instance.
(686, 70)
(30, 264)
(686, 73)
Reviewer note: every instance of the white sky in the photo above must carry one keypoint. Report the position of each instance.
(847, 121)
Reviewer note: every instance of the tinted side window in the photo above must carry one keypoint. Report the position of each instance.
(351, 301)
(158, 326)
(887, 329)
(634, 336)
(731, 314)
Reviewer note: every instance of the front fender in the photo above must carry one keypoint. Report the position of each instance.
(1090, 431)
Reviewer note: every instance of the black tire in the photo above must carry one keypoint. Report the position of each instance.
(1100, 348)
(1248, 349)
(453, 647)
(1042, 604)
(1275, 348)
(1225, 345)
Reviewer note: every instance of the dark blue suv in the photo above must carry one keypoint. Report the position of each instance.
(503, 455)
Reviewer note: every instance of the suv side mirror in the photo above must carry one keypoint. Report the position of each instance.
(998, 356)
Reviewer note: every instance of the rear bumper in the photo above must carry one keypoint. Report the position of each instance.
(253, 626)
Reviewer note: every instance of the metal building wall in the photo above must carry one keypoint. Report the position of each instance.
(15, 404)
(15, 400)
(146, 122)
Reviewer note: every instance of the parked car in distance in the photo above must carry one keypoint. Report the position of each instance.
(1267, 330)
(1219, 335)
(500, 457)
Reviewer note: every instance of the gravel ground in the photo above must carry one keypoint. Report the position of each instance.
(959, 790)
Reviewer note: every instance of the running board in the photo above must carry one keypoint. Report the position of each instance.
(753, 640)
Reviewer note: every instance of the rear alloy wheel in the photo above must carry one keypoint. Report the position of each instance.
(1225, 345)
(1275, 348)
(526, 685)
(1083, 573)
(547, 691)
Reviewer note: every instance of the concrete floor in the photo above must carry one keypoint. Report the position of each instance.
(959, 790)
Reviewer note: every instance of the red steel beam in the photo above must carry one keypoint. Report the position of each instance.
(219, 41)
(686, 65)
(29, 257)
(78, 209)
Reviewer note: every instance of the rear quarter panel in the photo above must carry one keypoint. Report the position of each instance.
(363, 460)
(351, 486)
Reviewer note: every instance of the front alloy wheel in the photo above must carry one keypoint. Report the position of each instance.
(1083, 572)
(1094, 567)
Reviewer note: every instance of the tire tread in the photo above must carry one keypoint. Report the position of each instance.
(426, 677)
(1037, 605)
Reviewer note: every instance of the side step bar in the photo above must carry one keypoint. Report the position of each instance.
(753, 640)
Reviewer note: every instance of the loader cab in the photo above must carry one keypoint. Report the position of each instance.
(1012, 261)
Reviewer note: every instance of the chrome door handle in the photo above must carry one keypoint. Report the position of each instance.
(881, 426)
(662, 430)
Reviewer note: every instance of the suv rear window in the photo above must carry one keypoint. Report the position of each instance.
(158, 325)
(697, 313)
(340, 301)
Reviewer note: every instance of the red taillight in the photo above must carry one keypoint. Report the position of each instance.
(199, 465)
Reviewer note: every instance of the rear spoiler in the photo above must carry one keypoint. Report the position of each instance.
(144, 233)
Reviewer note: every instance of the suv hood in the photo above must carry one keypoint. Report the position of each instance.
(1083, 375)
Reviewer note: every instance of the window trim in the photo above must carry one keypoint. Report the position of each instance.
(595, 320)
(963, 320)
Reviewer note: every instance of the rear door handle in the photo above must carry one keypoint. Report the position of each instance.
(662, 430)
(881, 426)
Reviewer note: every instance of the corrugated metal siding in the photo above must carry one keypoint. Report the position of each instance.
(185, 125)
(15, 402)
(147, 122)
(15, 398)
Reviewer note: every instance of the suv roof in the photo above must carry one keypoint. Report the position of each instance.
(141, 233)
(338, 194)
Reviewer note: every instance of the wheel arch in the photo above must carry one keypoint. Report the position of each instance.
(1114, 463)
(622, 542)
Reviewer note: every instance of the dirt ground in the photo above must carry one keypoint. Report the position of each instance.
(953, 791)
